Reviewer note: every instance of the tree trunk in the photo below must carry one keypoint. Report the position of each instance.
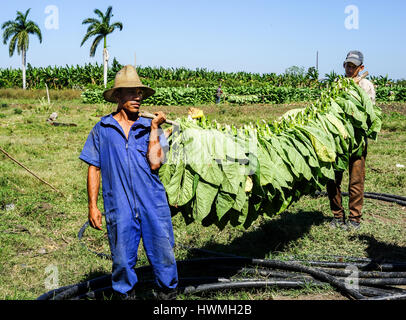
(105, 62)
(24, 57)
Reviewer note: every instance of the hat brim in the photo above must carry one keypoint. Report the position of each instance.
(354, 61)
(109, 94)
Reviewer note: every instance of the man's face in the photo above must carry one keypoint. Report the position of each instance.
(130, 99)
(351, 70)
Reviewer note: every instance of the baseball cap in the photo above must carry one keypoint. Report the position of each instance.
(355, 57)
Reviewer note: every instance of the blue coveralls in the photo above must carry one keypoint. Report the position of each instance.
(135, 202)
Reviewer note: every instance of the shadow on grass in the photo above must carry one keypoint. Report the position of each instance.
(94, 275)
(273, 235)
(381, 251)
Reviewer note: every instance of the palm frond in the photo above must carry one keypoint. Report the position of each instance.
(12, 45)
(88, 35)
(99, 13)
(8, 24)
(33, 28)
(8, 32)
(93, 27)
(26, 13)
(23, 42)
(107, 15)
(100, 29)
(90, 20)
(118, 25)
(22, 17)
(95, 44)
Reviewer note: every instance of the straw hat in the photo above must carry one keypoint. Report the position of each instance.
(127, 78)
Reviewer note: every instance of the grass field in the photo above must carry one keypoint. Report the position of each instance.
(40, 230)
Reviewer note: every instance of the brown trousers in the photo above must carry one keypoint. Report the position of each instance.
(355, 189)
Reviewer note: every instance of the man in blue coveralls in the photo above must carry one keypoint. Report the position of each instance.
(128, 150)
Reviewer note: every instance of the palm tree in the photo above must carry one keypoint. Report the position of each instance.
(101, 28)
(19, 30)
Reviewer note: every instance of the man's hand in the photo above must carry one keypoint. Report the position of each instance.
(93, 184)
(95, 218)
(155, 153)
(158, 120)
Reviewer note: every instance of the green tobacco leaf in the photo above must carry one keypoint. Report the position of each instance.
(165, 173)
(272, 168)
(224, 202)
(312, 159)
(296, 159)
(205, 196)
(323, 144)
(337, 124)
(278, 147)
(241, 198)
(233, 174)
(351, 109)
(186, 189)
(173, 187)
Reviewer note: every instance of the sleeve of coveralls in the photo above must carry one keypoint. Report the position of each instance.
(91, 150)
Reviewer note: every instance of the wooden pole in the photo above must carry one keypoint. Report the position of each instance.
(49, 100)
(152, 116)
(21, 165)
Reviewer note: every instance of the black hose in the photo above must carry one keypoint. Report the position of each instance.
(199, 287)
(80, 235)
(99, 285)
(301, 277)
(387, 195)
(368, 263)
(372, 195)
(279, 265)
(51, 294)
(83, 287)
(316, 275)
(333, 272)
(398, 266)
(401, 296)
(365, 274)
(344, 258)
(243, 285)
(96, 294)
(387, 199)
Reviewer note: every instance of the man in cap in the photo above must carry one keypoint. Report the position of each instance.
(127, 151)
(353, 65)
(219, 92)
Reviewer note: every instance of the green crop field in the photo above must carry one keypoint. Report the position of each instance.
(38, 227)
(181, 86)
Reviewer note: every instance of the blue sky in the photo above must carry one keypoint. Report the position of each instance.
(225, 35)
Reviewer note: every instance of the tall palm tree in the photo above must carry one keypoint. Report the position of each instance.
(19, 30)
(101, 28)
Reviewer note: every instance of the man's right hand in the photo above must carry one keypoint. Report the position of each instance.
(95, 218)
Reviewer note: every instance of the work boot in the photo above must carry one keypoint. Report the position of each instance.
(168, 294)
(131, 295)
(140, 291)
(353, 225)
(338, 223)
